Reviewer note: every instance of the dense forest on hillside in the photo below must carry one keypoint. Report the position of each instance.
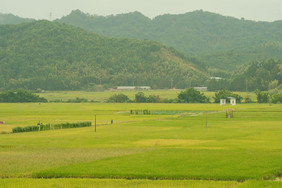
(56, 56)
(220, 42)
(265, 75)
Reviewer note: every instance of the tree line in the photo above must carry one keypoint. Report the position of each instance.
(189, 95)
(192, 95)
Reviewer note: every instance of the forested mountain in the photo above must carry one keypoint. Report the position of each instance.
(265, 75)
(57, 56)
(219, 41)
(262, 75)
(12, 19)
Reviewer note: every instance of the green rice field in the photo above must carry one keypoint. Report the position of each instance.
(177, 145)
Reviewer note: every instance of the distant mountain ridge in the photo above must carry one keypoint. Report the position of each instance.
(57, 56)
(12, 19)
(222, 42)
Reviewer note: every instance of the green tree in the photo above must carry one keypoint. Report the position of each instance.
(20, 95)
(140, 97)
(118, 98)
(153, 99)
(273, 84)
(262, 97)
(277, 98)
(191, 95)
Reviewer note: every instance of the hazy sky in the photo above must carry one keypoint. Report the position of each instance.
(260, 10)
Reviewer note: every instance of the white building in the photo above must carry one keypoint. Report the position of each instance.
(232, 100)
(133, 88)
(222, 101)
(216, 78)
(126, 88)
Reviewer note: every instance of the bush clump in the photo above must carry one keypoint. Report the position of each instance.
(46, 127)
(118, 98)
(20, 95)
(192, 95)
(277, 98)
(77, 100)
(25, 129)
(262, 97)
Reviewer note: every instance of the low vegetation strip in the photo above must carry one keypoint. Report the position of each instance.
(87, 182)
(101, 183)
(25, 129)
(46, 127)
(173, 163)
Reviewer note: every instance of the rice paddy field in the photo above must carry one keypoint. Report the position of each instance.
(176, 145)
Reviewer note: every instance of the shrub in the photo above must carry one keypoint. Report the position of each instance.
(140, 97)
(65, 125)
(146, 112)
(45, 127)
(77, 100)
(35, 128)
(17, 130)
(277, 98)
(118, 98)
(42, 127)
(248, 99)
(262, 97)
(74, 125)
(57, 126)
(153, 99)
(169, 100)
(25, 129)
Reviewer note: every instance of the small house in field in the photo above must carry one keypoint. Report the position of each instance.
(222, 102)
(232, 100)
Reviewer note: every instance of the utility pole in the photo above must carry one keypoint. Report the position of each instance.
(246, 85)
(171, 81)
(95, 122)
(206, 119)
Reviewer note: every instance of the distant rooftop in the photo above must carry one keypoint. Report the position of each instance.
(216, 78)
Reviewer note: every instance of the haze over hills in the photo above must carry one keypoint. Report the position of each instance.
(219, 41)
(12, 19)
(57, 56)
(222, 43)
(66, 57)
